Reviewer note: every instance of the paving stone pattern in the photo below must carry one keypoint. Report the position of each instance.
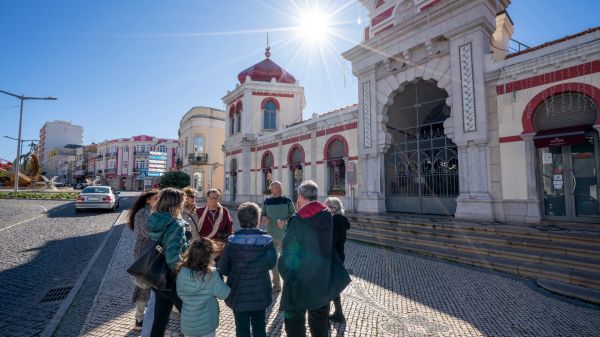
(13, 211)
(47, 252)
(391, 294)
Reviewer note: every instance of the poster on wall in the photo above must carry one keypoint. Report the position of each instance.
(546, 158)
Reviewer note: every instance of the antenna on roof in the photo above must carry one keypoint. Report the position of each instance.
(267, 50)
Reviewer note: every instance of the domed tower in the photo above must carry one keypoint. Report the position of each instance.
(267, 99)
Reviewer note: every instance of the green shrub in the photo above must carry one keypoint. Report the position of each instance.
(174, 179)
(39, 195)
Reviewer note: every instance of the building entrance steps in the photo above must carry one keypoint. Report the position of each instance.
(566, 257)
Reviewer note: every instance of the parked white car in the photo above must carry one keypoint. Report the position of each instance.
(97, 197)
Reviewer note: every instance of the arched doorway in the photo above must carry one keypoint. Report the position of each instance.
(233, 173)
(568, 156)
(421, 165)
(295, 161)
(267, 164)
(198, 182)
(336, 151)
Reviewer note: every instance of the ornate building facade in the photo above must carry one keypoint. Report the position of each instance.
(451, 120)
(268, 140)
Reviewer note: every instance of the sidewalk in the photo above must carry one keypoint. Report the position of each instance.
(391, 294)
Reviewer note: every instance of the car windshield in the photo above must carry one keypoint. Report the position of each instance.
(96, 190)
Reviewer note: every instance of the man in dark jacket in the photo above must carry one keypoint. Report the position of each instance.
(312, 275)
(246, 260)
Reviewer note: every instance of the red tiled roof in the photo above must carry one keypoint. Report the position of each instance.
(550, 43)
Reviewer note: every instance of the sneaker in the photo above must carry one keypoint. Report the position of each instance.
(138, 325)
(337, 318)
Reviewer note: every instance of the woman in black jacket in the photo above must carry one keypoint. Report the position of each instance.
(246, 261)
(340, 227)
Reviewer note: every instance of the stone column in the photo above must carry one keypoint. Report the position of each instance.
(244, 177)
(371, 147)
(468, 125)
(534, 212)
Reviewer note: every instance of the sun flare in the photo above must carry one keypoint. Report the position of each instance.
(314, 25)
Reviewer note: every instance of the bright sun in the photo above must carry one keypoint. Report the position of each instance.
(314, 25)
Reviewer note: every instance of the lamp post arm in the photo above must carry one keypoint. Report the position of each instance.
(11, 94)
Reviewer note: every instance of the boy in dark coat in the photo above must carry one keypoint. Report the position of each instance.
(313, 276)
(246, 261)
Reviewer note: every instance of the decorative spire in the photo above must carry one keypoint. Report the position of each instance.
(267, 50)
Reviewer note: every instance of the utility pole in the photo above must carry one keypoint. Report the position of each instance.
(22, 98)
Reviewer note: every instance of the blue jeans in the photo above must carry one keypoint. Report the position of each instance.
(243, 320)
(149, 316)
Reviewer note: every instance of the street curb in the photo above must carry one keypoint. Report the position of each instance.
(62, 310)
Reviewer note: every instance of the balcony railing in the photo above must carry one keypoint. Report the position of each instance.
(99, 156)
(111, 154)
(141, 153)
(198, 159)
(110, 171)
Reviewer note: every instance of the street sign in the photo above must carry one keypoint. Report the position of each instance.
(143, 174)
(157, 164)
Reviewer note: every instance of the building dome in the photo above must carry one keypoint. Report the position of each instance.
(265, 70)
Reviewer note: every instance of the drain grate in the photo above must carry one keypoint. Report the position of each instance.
(56, 294)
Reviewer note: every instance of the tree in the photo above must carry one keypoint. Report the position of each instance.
(174, 179)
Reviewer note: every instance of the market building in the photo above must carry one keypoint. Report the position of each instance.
(452, 121)
(268, 140)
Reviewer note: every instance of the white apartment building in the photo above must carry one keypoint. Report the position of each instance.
(57, 134)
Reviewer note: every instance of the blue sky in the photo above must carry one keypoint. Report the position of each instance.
(122, 68)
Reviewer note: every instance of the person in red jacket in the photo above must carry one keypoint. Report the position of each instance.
(214, 221)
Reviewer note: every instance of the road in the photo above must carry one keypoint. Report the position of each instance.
(44, 245)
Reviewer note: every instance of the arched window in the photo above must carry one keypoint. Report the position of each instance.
(267, 171)
(231, 121)
(336, 150)
(238, 117)
(270, 115)
(198, 145)
(295, 161)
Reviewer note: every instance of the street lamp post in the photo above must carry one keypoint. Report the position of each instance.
(22, 141)
(22, 98)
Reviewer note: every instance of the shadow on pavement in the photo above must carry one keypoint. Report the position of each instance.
(56, 264)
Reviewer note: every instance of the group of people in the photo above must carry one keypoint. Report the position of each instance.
(303, 246)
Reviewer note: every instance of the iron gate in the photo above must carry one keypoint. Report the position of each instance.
(421, 169)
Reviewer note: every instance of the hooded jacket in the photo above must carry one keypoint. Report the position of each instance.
(246, 260)
(313, 276)
(199, 293)
(169, 232)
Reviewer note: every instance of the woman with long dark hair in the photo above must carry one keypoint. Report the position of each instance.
(138, 216)
(167, 228)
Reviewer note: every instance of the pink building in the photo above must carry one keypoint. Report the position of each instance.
(123, 163)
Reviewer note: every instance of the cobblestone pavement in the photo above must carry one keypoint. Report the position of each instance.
(49, 251)
(14, 211)
(391, 294)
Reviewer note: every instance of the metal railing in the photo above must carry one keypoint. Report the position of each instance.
(198, 159)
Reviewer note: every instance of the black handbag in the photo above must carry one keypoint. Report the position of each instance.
(150, 269)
